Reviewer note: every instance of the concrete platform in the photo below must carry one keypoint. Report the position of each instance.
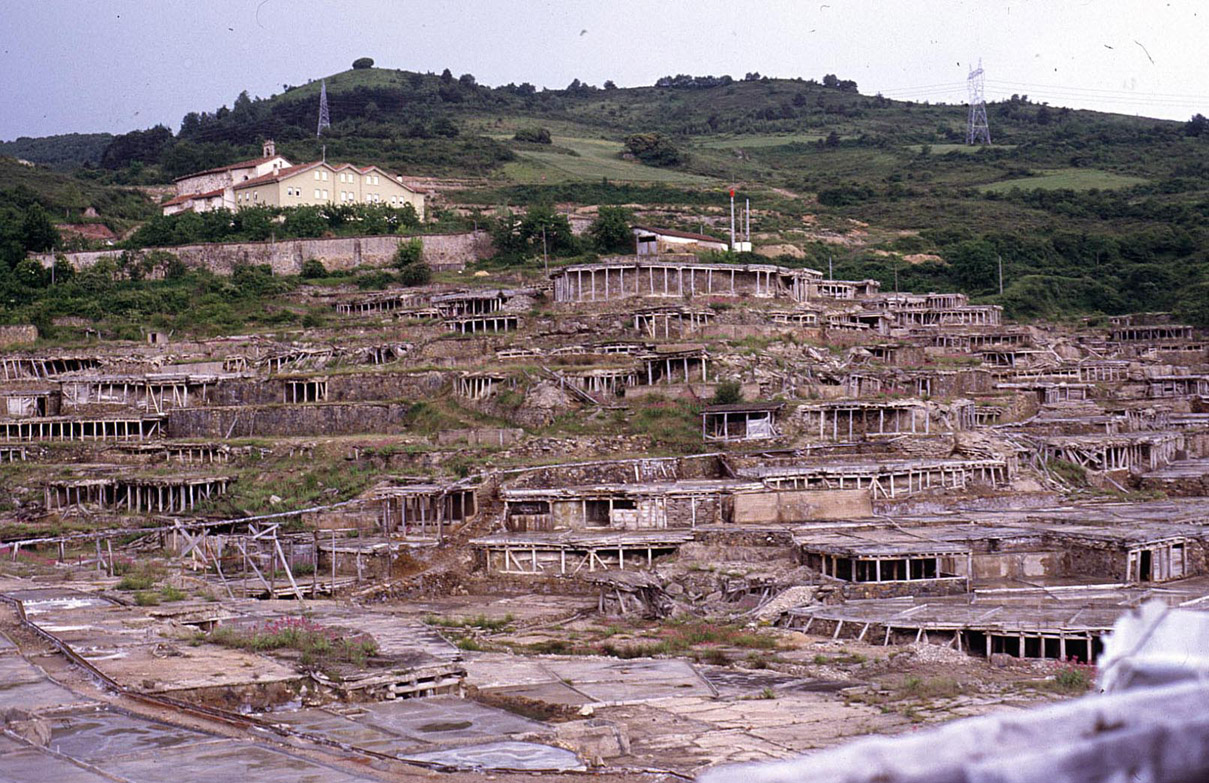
(527, 756)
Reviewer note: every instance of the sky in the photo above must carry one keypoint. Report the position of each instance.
(120, 65)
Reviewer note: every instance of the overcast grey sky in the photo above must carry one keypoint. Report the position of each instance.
(117, 65)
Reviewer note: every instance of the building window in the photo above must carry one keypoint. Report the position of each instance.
(316, 175)
(325, 193)
(316, 192)
(324, 176)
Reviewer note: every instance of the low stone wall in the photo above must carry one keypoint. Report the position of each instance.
(480, 437)
(18, 333)
(287, 420)
(441, 251)
(341, 387)
(801, 505)
(619, 472)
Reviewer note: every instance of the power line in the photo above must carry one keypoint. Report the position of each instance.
(1072, 88)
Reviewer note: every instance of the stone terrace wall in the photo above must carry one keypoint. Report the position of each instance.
(341, 387)
(18, 333)
(441, 251)
(287, 420)
(619, 472)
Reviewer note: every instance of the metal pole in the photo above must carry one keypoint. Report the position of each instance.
(732, 220)
(747, 220)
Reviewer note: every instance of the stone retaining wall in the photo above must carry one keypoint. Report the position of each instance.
(441, 251)
(287, 420)
(18, 333)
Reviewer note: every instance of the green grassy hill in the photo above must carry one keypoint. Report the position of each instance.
(1091, 211)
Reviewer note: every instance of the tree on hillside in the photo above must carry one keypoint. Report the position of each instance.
(25, 226)
(37, 232)
(143, 146)
(516, 236)
(361, 63)
(1196, 126)
(533, 135)
(835, 83)
(242, 105)
(610, 231)
(560, 241)
(654, 149)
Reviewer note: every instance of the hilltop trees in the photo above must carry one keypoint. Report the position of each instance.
(684, 81)
(1196, 126)
(361, 63)
(143, 146)
(831, 81)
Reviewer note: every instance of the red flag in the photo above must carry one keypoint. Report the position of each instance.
(732, 192)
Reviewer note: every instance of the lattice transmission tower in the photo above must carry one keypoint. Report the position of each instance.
(977, 130)
(324, 120)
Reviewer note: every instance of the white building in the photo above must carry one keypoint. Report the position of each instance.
(656, 241)
(215, 188)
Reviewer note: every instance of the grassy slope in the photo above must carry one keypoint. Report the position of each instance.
(67, 196)
(593, 159)
(1073, 179)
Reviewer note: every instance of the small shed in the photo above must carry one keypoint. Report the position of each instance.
(740, 421)
(650, 241)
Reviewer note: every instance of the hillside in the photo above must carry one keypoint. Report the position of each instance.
(1090, 212)
(65, 151)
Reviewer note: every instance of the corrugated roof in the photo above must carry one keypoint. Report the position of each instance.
(671, 232)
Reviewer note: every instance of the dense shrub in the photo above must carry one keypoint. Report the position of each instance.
(533, 135)
(313, 268)
(654, 149)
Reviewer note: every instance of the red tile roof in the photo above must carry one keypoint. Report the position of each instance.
(192, 196)
(277, 176)
(243, 164)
